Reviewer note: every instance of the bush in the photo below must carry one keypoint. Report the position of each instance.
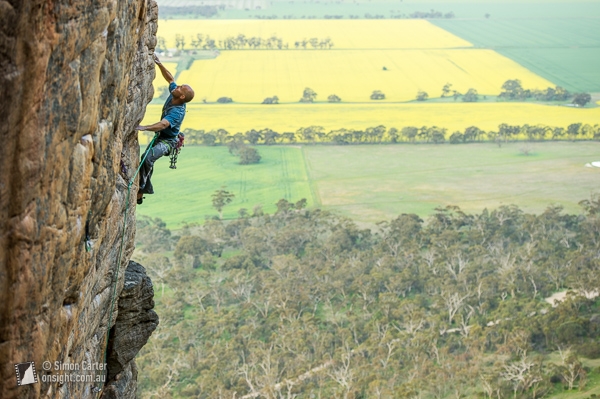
(271, 100)
(471, 96)
(590, 350)
(334, 99)
(308, 96)
(224, 100)
(377, 95)
(422, 96)
(581, 99)
(249, 155)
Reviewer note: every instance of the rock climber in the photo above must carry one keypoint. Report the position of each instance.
(172, 115)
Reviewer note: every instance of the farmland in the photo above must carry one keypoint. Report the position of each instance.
(202, 170)
(466, 9)
(417, 56)
(345, 34)
(374, 183)
(564, 51)
(453, 116)
(159, 83)
(249, 77)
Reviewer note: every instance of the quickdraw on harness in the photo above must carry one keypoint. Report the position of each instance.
(175, 150)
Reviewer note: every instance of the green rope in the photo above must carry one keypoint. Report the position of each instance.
(112, 306)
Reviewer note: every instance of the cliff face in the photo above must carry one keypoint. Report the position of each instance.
(75, 78)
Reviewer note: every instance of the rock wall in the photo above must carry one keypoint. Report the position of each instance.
(75, 78)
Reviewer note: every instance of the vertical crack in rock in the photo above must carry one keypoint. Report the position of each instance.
(76, 78)
(131, 331)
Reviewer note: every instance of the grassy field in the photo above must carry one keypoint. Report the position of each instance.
(453, 116)
(564, 51)
(464, 9)
(374, 183)
(572, 68)
(184, 194)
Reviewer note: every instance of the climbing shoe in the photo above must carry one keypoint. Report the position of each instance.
(140, 200)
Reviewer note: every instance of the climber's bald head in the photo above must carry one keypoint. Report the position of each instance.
(182, 94)
(188, 92)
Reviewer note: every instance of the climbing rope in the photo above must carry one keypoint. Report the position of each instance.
(114, 294)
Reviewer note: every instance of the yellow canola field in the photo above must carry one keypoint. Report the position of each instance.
(353, 75)
(345, 34)
(159, 81)
(453, 116)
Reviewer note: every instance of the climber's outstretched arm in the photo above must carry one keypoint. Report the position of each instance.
(164, 71)
(158, 126)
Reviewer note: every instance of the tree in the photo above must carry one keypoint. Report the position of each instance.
(179, 41)
(271, 100)
(446, 89)
(410, 132)
(456, 138)
(220, 198)
(209, 139)
(224, 100)
(472, 133)
(191, 245)
(471, 96)
(197, 41)
(334, 99)
(161, 44)
(571, 368)
(438, 136)
(308, 96)
(393, 135)
(513, 90)
(581, 99)
(377, 95)
(422, 96)
(269, 136)
(249, 155)
(573, 130)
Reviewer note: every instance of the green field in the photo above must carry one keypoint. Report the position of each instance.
(371, 183)
(184, 194)
(463, 9)
(575, 69)
(564, 51)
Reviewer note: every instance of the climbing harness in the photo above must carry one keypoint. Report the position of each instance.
(175, 150)
(114, 294)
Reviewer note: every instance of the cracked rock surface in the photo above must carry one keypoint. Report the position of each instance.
(76, 79)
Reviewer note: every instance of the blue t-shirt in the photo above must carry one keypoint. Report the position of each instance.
(174, 114)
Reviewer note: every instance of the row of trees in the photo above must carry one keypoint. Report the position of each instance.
(307, 304)
(409, 134)
(432, 14)
(200, 41)
(513, 90)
